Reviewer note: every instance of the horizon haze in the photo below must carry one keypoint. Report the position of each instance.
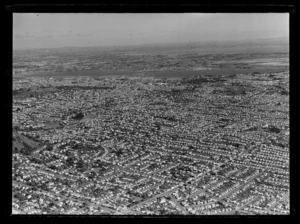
(56, 30)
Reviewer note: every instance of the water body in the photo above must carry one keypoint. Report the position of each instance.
(182, 74)
(157, 74)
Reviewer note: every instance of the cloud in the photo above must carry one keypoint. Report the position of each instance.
(31, 36)
(22, 37)
(19, 36)
(48, 36)
(82, 34)
(65, 35)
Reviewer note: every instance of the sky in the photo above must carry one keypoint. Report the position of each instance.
(52, 30)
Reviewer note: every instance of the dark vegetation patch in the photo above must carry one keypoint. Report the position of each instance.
(167, 117)
(277, 89)
(109, 103)
(233, 101)
(118, 152)
(182, 99)
(223, 122)
(101, 166)
(252, 129)
(236, 90)
(176, 96)
(200, 79)
(159, 103)
(180, 95)
(84, 87)
(181, 172)
(34, 92)
(284, 92)
(78, 116)
(276, 143)
(272, 129)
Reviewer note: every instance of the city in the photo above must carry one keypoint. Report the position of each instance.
(150, 114)
(140, 145)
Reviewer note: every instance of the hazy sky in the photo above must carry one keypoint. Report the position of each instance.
(48, 30)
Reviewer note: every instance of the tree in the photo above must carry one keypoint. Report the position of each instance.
(70, 161)
(79, 116)
(52, 167)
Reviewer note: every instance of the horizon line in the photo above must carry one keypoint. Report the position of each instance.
(150, 44)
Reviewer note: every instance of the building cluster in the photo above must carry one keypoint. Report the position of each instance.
(138, 145)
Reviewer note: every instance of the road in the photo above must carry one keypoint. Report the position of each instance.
(231, 212)
(284, 197)
(181, 208)
(103, 156)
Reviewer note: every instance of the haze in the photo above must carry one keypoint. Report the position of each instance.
(52, 30)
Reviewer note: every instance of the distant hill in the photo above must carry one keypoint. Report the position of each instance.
(281, 41)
